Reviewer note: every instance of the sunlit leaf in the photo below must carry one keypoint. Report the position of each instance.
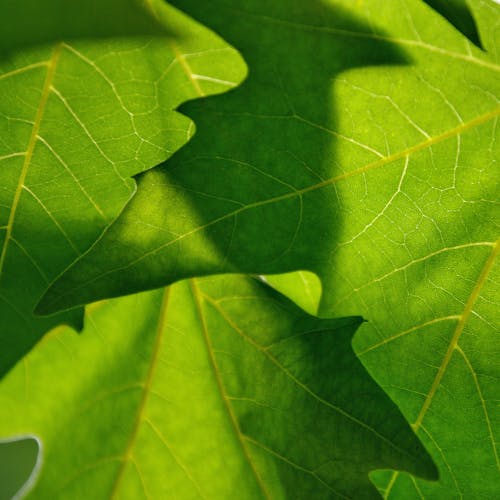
(363, 148)
(213, 388)
(78, 118)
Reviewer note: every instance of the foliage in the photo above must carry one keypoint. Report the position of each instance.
(207, 388)
(78, 118)
(361, 147)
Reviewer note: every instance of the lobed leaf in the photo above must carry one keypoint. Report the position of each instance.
(78, 118)
(213, 388)
(363, 148)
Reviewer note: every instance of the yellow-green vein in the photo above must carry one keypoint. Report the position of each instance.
(126, 457)
(453, 345)
(218, 380)
(51, 71)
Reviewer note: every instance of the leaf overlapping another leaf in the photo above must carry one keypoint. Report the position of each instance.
(213, 388)
(380, 180)
(78, 118)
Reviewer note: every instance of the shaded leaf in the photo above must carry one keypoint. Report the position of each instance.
(213, 388)
(381, 180)
(30, 22)
(19, 464)
(458, 13)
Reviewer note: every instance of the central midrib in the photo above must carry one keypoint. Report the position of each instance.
(145, 394)
(468, 308)
(51, 71)
(299, 192)
(232, 417)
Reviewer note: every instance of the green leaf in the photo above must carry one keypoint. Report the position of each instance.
(303, 287)
(486, 14)
(19, 464)
(380, 179)
(458, 13)
(212, 388)
(30, 22)
(77, 120)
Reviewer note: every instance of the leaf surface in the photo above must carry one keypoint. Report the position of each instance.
(78, 118)
(30, 22)
(18, 466)
(458, 13)
(362, 147)
(212, 388)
